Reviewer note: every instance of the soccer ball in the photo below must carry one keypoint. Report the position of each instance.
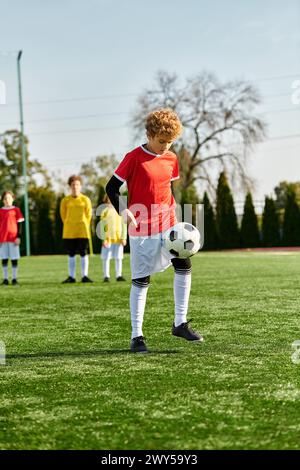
(182, 240)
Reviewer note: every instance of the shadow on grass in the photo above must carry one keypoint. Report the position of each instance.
(99, 352)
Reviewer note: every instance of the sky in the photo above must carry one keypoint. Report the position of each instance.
(84, 64)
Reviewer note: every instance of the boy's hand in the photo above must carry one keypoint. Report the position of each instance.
(17, 241)
(128, 217)
(106, 244)
(124, 242)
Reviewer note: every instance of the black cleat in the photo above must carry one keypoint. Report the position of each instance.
(69, 280)
(120, 278)
(138, 345)
(106, 279)
(86, 279)
(5, 282)
(14, 282)
(184, 331)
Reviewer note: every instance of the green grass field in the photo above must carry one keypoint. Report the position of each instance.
(70, 382)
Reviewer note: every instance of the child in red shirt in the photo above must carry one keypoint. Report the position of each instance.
(148, 171)
(10, 231)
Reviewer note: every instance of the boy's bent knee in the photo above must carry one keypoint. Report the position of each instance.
(141, 281)
(14, 262)
(4, 262)
(182, 265)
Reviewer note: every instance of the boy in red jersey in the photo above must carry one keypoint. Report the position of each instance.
(148, 171)
(10, 231)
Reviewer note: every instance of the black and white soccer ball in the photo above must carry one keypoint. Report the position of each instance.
(182, 240)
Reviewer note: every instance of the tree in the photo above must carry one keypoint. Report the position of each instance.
(101, 195)
(96, 173)
(249, 226)
(190, 199)
(11, 174)
(58, 226)
(210, 229)
(227, 226)
(42, 201)
(282, 190)
(45, 238)
(270, 224)
(291, 221)
(219, 121)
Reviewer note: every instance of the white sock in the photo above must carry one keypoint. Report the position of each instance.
(72, 266)
(5, 272)
(182, 288)
(14, 272)
(138, 296)
(118, 266)
(106, 264)
(84, 265)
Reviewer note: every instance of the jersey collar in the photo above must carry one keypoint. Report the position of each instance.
(150, 153)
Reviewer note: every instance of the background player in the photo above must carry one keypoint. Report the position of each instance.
(11, 219)
(76, 214)
(114, 234)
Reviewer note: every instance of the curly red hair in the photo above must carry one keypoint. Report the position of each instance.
(165, 122)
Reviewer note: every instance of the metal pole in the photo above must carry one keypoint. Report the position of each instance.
(24, 165)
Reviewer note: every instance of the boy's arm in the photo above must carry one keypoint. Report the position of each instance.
(104, 233)
(19, 220)
(63, 210)
(19, 228)
(113, 192)
(124, 232)
(172, 188)
(104, 229)
(88, 210)
(19, 232)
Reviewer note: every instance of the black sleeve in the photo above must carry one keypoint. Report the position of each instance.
(19, 233)
(172, 189)
(113, 192)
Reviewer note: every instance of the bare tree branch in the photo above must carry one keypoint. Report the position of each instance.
(216, 117)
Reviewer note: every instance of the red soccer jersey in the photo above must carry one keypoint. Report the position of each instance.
(148, 177)
(9, 217)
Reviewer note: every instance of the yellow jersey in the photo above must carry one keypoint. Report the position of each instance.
(113, 229)
(76, 214)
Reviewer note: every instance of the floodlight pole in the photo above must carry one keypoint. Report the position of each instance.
(24, 163)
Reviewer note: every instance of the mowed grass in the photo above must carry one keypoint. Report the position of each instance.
(70, 382)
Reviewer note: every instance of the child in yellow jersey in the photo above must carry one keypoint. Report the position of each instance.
(76, 214)
(114, 235)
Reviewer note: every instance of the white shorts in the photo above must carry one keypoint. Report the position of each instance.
(148, 256)
(9, 250)
(115, 251)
